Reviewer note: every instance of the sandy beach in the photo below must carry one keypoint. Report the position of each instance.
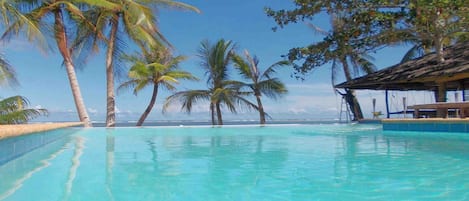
(22, 129)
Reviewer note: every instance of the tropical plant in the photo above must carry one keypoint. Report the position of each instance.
(13, 17)
(342, 45)
(432, 25)
(221, 91)
(130, 19)
(65, 16)
(262, 81)
(7, 73)
(14, 110)
(157, 68)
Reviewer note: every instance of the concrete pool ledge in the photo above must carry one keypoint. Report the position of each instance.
(23, 129)
(427, 124)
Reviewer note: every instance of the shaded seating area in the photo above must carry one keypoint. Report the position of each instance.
(424, 74)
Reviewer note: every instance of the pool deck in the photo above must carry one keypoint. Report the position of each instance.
(427, 124)
(23, 129)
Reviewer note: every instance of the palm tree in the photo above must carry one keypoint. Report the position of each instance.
(127, 18)
(343, 56)
(262, 82)
(14, 110)
(221, 91)
(157, 68)
(64, 14)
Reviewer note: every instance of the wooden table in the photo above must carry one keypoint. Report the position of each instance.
(461, 106)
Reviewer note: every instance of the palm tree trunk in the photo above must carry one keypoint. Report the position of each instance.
(261, 110)
(150, 106)
(219, 117)
(212, 112)
(61, 39)
(438, 38)
(110, 95)
(351, 98)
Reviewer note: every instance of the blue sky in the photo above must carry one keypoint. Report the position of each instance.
(43, 80)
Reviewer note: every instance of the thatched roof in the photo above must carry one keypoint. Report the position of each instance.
(423, 73)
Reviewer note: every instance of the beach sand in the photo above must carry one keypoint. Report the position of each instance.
(22, 129)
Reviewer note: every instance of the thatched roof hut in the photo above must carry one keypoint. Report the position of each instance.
(424, 73)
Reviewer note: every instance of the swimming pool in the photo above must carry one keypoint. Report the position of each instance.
(287, 162)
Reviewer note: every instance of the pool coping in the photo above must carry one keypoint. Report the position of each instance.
(7, 131)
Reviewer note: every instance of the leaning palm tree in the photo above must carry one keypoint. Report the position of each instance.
(262, 82)
(65, 14)
(14, 110)
(157, 68)
(343, 57)
(133, 19)
(221, 91)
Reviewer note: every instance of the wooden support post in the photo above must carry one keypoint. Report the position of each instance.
(387, 104)
(441, 97)
(416, 113)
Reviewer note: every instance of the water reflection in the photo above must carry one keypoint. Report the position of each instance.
(164, 167)
(110, 146)
(16, 172)
(309, 164)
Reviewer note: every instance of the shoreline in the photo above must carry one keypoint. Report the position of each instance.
(7, 131)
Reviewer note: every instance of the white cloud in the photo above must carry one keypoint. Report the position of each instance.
(176, 107)
(38, 107)
(92, 110)
(323, 87)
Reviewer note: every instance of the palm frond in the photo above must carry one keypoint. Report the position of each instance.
(242, 66)
(14, 110)
(7, 73)
(15, 20)
(130, 84)
(413, 53)
(272, 88)
(272, 69)
(177, 5)
(187, 99)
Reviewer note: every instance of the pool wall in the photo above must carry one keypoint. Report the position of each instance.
(427, 125)
(11, 148)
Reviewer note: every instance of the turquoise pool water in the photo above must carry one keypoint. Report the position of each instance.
(288, 162)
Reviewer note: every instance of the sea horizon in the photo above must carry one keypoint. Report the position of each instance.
(131, 123)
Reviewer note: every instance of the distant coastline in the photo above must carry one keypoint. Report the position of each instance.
(208, 123)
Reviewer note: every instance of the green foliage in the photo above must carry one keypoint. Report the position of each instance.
(221, 91)
(366, 26)
(433, 24)
(14, 110)
(262, 82)
(7, 73)
(155, 67)
(16, 17)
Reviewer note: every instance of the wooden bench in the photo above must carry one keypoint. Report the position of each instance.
(444, 106)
